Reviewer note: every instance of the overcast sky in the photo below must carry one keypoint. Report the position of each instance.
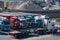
(1, 0)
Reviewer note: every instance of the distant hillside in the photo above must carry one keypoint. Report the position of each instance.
(29, 6)
(13, 5)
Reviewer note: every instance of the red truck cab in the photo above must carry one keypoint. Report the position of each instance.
(14, 22)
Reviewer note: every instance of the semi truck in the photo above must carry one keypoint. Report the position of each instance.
(22, 24)
(45, 22)
(4, 24)
(40, 24)
(13, 21)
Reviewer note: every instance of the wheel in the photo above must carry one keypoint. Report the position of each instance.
(15, 36)
(55, 30)
(41, 32)
(0, 29)
(26, 33)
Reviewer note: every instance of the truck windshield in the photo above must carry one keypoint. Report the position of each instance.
(39, 23)
(6, 22)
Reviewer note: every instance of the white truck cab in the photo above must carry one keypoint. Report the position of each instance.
(47, 23)
(50, 26)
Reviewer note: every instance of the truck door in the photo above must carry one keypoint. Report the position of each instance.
(49, 25)
(45, 24)
(17, 23)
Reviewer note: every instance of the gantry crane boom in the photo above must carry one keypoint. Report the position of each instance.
(5, 5)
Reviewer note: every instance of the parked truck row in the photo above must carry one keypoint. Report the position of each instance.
(22, 25)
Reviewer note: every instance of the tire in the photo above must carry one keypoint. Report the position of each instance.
(55, 30)
(0, 29)
(41, 32)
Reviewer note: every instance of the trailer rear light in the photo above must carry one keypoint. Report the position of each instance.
(11, 34)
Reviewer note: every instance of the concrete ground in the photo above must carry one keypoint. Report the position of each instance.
(46, 37)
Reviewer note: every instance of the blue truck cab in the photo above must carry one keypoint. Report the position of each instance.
(4, 24)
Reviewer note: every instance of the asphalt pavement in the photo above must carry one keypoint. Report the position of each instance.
(5, 36)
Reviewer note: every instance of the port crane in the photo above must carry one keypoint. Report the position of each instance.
(5, 5)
